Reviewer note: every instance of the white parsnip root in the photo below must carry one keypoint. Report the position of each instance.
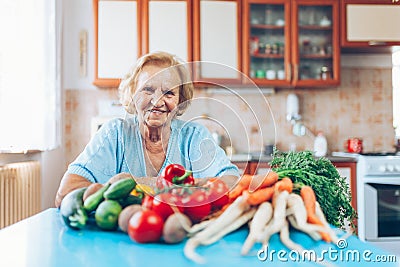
(262, 216)
(234, 212)
(265, 217)
(297, 216)
(328, 229)
(279, 218)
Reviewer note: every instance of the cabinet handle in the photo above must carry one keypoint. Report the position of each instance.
(376, 43)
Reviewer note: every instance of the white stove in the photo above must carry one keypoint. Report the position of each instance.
(378, 199)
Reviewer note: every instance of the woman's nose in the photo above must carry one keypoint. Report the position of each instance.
(157, 99)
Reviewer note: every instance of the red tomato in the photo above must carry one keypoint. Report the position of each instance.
(145, 226)
(162, 205)
(147, 202)
(217, 193)
(196, 205)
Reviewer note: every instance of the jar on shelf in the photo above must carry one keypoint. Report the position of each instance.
(268, 49)
(326, 73)
(261, 48)
(268, 16)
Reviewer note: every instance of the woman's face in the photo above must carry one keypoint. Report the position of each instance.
(157, 94)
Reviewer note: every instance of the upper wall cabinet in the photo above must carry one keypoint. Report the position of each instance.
(217, 41)
(369, 23)
(117, 46)
(292, 43)
(167, 26)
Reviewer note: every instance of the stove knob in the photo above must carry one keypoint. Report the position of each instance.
(382, 168)
(390, 168)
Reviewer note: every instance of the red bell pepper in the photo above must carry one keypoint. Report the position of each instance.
(177, 174)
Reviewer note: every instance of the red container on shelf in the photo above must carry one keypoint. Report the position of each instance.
(254, 45)
(354, 145)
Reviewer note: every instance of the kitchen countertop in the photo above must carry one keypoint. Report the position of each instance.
(43, 240)
(256, 157)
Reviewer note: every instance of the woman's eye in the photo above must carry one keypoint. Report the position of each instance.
(148, 89)
(169, 93)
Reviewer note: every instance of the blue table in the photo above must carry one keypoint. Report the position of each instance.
(43, 240)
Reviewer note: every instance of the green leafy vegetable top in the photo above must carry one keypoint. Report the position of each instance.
(331, 190)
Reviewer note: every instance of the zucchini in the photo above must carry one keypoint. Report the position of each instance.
(93, 201)
(72, 210)
(120, 189)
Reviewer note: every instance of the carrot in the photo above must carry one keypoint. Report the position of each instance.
(259, 196)
(253, 183)
(235, 192)
(309, 199)
(284, 184)
(261, 181)
(245, 181)
(243, 184)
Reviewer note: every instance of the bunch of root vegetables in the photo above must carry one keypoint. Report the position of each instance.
(269, 205)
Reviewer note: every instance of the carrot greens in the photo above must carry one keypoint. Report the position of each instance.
(331, 190)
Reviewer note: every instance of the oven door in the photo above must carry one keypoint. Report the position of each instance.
(382, 211)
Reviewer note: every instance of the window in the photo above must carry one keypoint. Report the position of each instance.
(29, 80)
(396, 91)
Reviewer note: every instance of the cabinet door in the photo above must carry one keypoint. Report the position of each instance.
(217, 41)
(244, 167)
(266, 47)
(167, 27)
(369, 23)
(348, 170)
(117, 46)
(260, 168)
(315, 37)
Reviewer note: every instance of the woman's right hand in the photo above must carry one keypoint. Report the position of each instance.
(69, 183)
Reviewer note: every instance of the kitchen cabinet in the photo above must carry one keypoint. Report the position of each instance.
(167, 26)
(243, 166)
(348, 170)
(116, 44)
(195, 30)
(291, 43)
(217, 41)
(370, 23)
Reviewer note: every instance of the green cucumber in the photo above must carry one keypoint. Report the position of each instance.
(120, 189)
(130, 200)
(72, 211)
(93, 201)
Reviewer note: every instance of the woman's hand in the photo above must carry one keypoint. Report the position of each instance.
(69, 183)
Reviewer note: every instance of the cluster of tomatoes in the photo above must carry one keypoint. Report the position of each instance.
(195, 202)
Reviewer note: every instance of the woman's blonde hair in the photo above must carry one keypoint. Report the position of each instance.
(127, 87)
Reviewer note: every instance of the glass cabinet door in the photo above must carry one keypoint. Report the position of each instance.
(315, 43)
(268, 58)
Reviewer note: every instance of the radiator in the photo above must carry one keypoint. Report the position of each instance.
(20, 186)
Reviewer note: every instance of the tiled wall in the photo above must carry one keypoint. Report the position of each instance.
(360, 107)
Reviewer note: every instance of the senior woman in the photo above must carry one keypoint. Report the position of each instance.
(156, 90)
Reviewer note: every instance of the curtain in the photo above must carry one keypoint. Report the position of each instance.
(29, 75)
